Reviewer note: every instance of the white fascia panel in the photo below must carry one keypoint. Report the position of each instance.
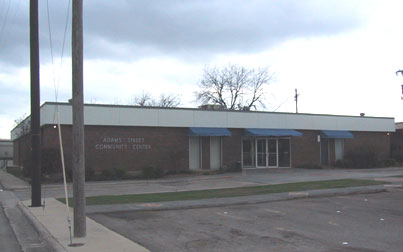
(138, 116)
(176, 118)
(157, 117)
(241, 119)
(210, 119)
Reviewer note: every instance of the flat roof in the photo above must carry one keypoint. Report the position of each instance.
(399, 125)
(125, 115)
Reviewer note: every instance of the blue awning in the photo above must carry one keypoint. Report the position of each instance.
(336, 134)
(204, 131)
(271, 132)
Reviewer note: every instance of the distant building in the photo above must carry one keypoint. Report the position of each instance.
(132, 137)
(397, 142)
(6, 153)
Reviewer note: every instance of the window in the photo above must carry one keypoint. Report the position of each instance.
(248, 151)
(284, 153)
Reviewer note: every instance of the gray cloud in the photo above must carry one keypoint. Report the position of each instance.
(209, 27)
(188, 29)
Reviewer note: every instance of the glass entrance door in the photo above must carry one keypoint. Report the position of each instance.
(272, 152)
(261, 152)
(284, 156)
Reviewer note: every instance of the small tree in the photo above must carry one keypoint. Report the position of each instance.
(165, 100)
(22, 125)
(144, 99)
(233, 87)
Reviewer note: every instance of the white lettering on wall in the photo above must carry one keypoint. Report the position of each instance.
(121, 144)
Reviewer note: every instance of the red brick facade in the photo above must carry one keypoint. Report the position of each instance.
(133, 148)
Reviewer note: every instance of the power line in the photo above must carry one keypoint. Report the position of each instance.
(5, 20)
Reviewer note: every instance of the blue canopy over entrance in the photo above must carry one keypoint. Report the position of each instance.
(341, 134)
(205, 131)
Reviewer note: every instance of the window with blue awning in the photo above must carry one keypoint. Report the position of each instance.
(339, 134)
(271, 132)
(207, 131)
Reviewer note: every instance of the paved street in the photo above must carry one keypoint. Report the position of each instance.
(16, 232)
(360, 223)
(8, 241)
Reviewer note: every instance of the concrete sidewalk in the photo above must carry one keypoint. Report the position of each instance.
(11, 182)
(51, 223)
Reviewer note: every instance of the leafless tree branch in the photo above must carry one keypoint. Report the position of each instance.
(233, 87)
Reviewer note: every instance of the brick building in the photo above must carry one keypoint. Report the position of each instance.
(131, 137)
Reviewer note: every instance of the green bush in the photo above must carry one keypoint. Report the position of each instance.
(344, 163)
(175, 172)
(388, 162)
(120, 173)
(107, 174)
(89, 173)
(309, 166)
(27, 168)
(361, 159)
(152, 172)
(397, 154)
(50, 161)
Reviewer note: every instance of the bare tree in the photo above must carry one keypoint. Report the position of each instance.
(169, 101)
(144, 99)
(22, 125)
(233, 87)
(165, 100)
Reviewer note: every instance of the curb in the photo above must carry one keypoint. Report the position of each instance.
(42, 231)
(243, 200)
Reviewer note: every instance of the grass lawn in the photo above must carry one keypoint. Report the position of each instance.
(225, 193)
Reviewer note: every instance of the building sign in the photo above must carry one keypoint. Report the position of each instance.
(121, 143)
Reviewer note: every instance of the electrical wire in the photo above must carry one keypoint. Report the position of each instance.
(57, 107)
(5, 20)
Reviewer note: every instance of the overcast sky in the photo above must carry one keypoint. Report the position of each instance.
(341, 55)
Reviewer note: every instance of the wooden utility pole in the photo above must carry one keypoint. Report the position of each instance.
(80, 227)
(35, 105)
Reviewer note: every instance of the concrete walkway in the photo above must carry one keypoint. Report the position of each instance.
(227, 180)
(51, 222)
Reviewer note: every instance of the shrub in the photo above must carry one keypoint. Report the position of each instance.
(344, 163)
(27, 167)
(388, 162)
(397, 154)
(89, 173)
(107, 174)
(362, 159)
(309, 166)
(120, 173)
(50, 161)
(152, 172)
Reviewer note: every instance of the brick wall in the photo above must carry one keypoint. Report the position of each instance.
(231, 149)
(305, 149)
(379, 142)
(129, 148)
(397, 139)
(133, 148)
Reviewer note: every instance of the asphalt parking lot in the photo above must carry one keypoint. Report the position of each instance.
(366, 223)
